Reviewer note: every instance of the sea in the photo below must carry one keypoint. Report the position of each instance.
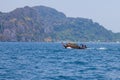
(51, 61)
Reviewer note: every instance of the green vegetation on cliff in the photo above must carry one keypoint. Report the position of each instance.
(42, 23)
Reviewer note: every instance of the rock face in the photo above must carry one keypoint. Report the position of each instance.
(42, 23)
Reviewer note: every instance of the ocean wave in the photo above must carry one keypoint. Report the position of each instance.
(102, 48)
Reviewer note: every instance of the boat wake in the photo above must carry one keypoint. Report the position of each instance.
(104, 49)
(69, 48)
(100, 48)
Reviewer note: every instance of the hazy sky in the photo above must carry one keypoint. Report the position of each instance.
(105, 12)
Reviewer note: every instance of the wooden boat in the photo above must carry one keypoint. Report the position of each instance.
(74, 46)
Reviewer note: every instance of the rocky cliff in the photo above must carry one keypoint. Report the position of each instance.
(42, 23)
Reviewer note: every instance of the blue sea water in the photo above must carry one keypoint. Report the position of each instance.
(51, 61)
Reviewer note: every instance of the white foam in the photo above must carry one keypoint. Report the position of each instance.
(69, 48)
(102, 48)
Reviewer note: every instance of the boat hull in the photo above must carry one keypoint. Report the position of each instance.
(77, 47)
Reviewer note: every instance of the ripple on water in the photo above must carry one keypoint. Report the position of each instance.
(50, 61)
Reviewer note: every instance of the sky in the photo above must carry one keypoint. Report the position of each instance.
(105, 12)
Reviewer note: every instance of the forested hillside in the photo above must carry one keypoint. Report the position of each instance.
(42, 23)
